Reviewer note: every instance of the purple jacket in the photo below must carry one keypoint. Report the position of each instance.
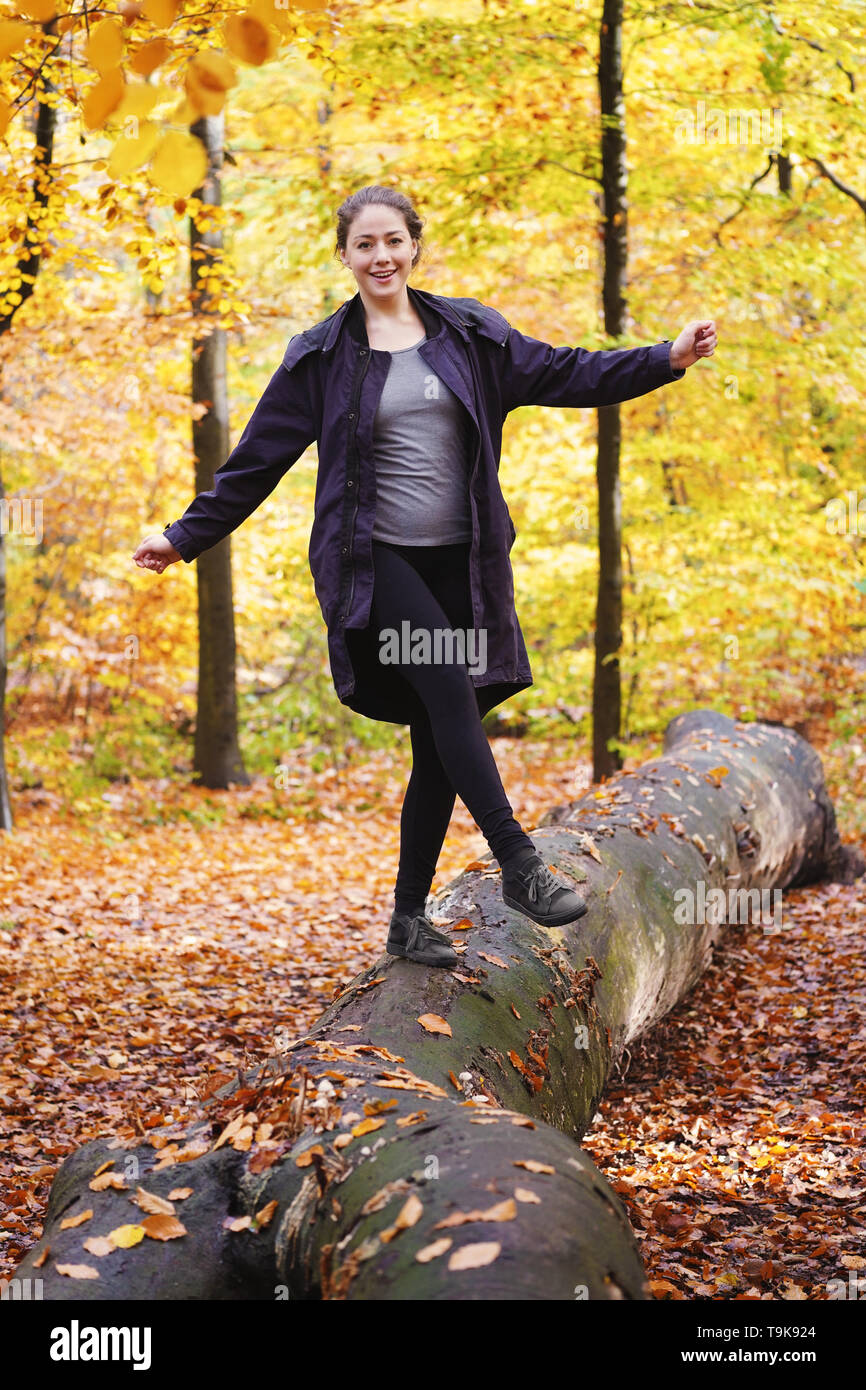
(326, 390)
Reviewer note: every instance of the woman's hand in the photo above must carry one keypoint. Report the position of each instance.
(155, 553)
(697, 339)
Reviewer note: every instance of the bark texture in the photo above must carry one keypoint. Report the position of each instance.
(217, 757)
(485, 1118)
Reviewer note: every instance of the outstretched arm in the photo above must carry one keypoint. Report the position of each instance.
(535, 373)
(282, 426)
(698, 339)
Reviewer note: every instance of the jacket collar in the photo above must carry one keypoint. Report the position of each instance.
(431, 308)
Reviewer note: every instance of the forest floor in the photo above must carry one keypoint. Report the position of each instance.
(138, 959)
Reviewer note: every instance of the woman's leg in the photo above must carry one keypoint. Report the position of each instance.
(400, 594)
(424, 819)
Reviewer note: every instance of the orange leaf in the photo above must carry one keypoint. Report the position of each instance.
(76, 1220)
(366, 1127)
(494, 960)
(107, 1180)
(148, 1201)
(265, 1216)
(163, 1227)
(434, 1024)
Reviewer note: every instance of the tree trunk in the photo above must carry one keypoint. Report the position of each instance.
(458, 1122)
(217, 758)
(5, 804)
(606, 696)
(23, 283)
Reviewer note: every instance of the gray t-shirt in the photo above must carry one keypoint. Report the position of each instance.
(421, 441)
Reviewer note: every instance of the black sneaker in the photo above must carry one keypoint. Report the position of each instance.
(529, 887)
(415, 938)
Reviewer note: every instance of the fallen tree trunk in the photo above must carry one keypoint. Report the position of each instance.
(421, 1141)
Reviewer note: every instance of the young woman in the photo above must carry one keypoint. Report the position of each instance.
(405, 393)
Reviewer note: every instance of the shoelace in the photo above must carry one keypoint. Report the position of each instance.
(542, 880)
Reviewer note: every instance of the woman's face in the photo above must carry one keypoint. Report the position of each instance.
(379, 252)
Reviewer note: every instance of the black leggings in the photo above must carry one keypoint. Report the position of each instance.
(428, 586)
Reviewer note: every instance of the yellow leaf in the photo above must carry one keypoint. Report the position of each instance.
(208, 78)
(5, 116)
(475, 1256)
(40, 10)
(149, 57)
(269, 12)
(103, 99)
(13, 36)
(139, 99)
(126, 1236)
(130, 152)
(249, 39)
(179, 165)
(76, 1220)
(162, 13)
(434, 1024)
(105, 45)
(367, 1127)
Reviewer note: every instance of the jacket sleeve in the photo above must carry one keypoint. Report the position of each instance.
(284, 423)
(534, 373)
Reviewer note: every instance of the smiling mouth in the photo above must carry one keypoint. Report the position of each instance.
(382, 274)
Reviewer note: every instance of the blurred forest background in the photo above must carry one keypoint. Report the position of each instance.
(744, 587)
(153, 925)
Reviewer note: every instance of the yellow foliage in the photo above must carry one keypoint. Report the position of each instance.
(103, 99)
(105, 45)
(13, 35)
(40, 10)
(179, 164)
(130, 152)
(162, 13)
(249, 39)
(149, 57)
(208, 78)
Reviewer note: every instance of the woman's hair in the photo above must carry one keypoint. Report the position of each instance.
(372, 194)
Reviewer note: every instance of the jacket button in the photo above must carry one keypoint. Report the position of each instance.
(351, 415)
(350, 483)
(345, 550)
(363, 352)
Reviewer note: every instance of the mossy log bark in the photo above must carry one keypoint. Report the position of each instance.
(383, 1130)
